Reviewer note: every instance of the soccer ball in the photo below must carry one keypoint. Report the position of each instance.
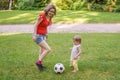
(59, 68)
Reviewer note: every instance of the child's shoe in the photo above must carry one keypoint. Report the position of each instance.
(70, 66)
(74, 71)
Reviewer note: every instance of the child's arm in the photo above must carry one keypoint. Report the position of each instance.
(79, 52)
(70, 48)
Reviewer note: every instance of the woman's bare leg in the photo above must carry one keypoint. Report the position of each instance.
(41, 51)
(46, 49)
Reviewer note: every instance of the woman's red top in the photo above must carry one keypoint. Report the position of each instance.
(42, 27)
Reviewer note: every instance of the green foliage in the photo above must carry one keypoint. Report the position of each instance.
(103, 5)
(70, 4)
(64, 4)
(14, 5)
(91, 5)
(40, 4)
(78, 5)
(118, 2)
(96, 7)
(4, 4)
(116, 9)
(25, 4)
(32, 4)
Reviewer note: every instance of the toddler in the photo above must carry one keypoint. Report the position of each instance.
(75, 53)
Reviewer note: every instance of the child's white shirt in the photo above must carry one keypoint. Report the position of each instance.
(74, 51)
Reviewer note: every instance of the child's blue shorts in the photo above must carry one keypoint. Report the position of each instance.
(40, 38)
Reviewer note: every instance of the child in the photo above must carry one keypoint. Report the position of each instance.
(75, 53)
(40, 33)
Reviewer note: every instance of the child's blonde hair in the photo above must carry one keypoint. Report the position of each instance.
(77, 38)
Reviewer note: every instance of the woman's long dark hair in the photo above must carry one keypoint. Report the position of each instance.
(50, 6)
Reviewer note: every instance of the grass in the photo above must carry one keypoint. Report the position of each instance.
(28, 17)
(99, 60)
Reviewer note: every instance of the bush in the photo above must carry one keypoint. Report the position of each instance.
(96, 7)
(108, 8)
(25, 4)
(4, 4)
(70, 4)
(64, 4)
(116, 9)
(32, 4)
(78, 5)
(40, 4)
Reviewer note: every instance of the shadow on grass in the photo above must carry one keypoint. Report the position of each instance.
(85, 17)
(18, 17)
(67, 16)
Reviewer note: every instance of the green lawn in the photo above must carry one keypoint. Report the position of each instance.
(99, 60)
(25, 17)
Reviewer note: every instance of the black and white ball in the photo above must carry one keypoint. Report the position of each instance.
(59, 68)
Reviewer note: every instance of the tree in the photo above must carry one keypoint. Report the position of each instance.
(113, 2)
(10, 4)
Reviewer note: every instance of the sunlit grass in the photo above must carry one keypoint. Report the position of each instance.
(18, 17)
(7, 34)
(66, 16)
(99, 59)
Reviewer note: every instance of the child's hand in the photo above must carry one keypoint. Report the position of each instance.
(75, 57)
(70, 48)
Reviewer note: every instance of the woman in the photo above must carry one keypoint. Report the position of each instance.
(40, 33)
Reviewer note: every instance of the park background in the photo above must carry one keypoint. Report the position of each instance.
(100, 51)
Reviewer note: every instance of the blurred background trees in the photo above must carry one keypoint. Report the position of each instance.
(91, 5)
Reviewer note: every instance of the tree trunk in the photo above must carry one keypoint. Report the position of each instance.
(10, 4)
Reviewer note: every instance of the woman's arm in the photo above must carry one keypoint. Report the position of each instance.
(36, 24)
(35, 27)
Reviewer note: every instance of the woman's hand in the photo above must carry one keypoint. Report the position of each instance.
(34, 38)
(46, 36)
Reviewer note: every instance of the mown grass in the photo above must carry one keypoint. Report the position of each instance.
(66, 16)
(99, 60)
